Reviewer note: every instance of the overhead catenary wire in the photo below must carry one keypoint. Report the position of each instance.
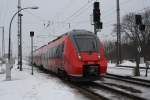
(76, 12)
(112, 10)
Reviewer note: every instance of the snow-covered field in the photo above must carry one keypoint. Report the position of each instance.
(127, 71)
(40, 86)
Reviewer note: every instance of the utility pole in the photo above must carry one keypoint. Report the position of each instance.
(19, 37)
(118, 34)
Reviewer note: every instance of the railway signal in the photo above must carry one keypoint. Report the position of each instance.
(96, 12)
(96, 17)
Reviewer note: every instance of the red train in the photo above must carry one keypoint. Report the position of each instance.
(77, 55)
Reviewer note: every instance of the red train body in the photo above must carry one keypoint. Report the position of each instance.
(78, 55)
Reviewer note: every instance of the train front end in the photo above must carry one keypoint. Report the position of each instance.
(86, 58)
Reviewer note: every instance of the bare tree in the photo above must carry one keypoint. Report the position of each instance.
(131, 33)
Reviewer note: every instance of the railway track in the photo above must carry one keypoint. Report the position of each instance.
(85, 90)
(131, 67)
(142, 82)
(117, 94)
(100, 91)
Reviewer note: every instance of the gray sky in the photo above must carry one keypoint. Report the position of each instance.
(53, 16)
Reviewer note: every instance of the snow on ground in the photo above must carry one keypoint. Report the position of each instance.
(40, 86)
(113, 69)
(129, 63)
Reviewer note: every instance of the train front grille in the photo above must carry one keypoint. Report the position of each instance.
(91, 70)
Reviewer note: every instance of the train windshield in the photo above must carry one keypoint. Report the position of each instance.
(86, 43)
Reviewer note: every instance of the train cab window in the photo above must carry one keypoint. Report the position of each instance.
(86, 43)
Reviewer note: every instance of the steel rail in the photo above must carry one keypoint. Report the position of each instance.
(129, 95)
(137, 81)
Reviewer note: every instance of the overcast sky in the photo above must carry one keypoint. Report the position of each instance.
(53, 18)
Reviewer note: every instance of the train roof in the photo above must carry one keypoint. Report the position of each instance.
(39, 48)
(71, 33)
(74, 32)
(80, 32)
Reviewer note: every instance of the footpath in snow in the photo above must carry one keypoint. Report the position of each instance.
(39, 86)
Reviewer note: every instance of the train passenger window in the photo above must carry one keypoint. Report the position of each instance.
(62, 50)
(54, 52)
(59, 51)
(50, 52)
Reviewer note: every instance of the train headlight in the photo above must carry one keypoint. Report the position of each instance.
(99, 56)
(80, 57)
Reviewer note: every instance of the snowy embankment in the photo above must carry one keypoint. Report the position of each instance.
(125, 71)
(40, 86)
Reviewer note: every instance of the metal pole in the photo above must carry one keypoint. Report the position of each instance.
(3, 42)
(20, 42)
(8, 67)
(118, 34)
(19, 33)
(137, 69)
(95, 32)
(32, 53)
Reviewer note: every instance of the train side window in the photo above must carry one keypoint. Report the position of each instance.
(61, 50)
(49, 53)
(45, 56)
(57, 51)
(54, 52)
(50, 50)
(41, 56)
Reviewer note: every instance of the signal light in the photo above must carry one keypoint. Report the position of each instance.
(96, 5)
(31, 33)
(99, 25)
(96, 12)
